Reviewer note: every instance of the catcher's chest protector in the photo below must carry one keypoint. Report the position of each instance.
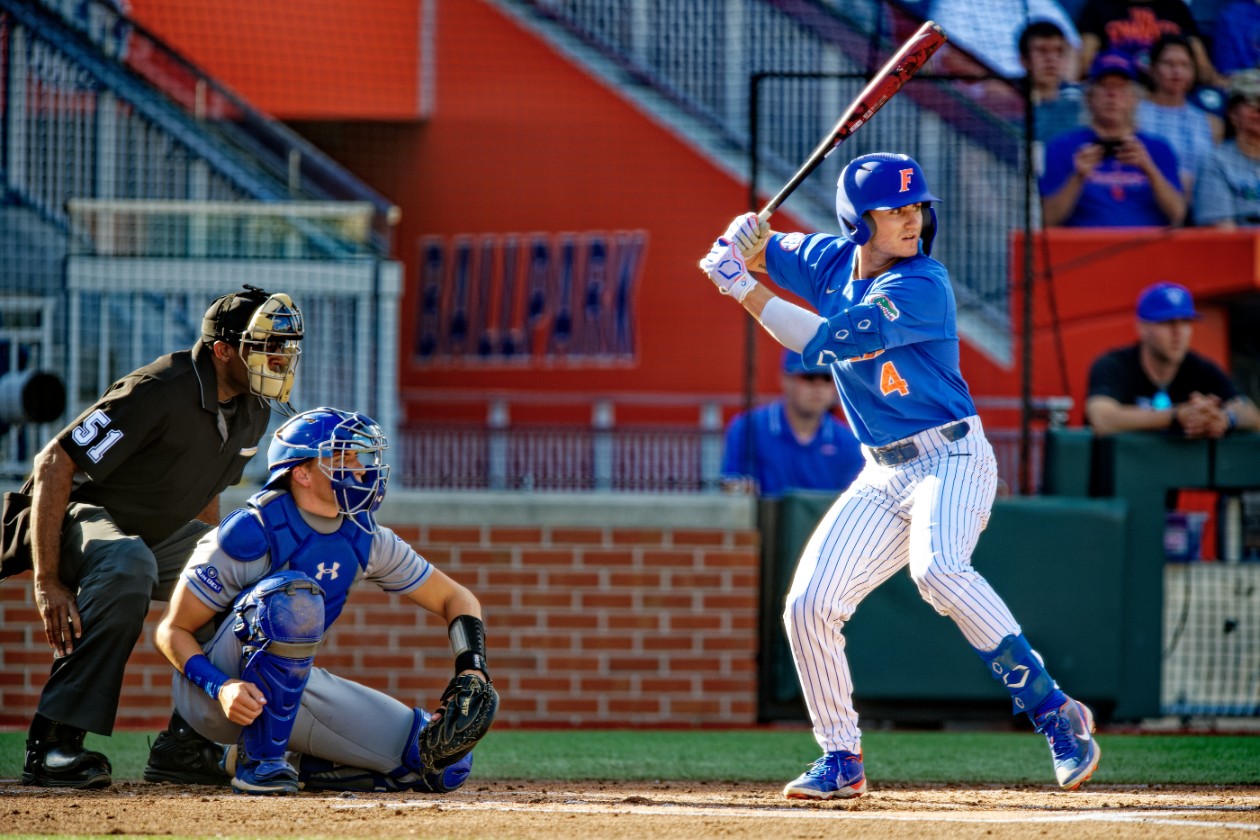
(331, 560)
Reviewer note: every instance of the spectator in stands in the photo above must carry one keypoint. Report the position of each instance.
(1161, 384)
(1133, 26)
(989, 29)
(794, 443)
(1191, 131)
(1236, 37)
(1227, 191)
(1058, 105)
(1105, 174)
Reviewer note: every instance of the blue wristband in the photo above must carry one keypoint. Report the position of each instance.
(201, 672)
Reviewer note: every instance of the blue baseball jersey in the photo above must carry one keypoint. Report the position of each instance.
(778, 462)
(906, 377)
(1115, 194)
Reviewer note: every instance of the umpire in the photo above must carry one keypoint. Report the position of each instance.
(119, 498)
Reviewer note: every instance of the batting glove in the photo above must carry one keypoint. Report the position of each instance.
(749, 234)
(726, 269)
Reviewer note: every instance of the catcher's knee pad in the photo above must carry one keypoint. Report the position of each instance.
(1018, 667)
(280, 623)
(431, 780)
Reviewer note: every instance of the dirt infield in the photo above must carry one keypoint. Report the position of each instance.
(662, 811)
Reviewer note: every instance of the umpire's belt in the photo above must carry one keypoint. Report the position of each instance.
(900, 453)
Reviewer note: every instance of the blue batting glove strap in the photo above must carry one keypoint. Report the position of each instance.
(201, 672)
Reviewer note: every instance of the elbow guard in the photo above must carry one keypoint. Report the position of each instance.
(854, 332)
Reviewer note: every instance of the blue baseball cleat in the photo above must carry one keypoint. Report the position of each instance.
(263, 778)
(1069, 729)
(837, 775)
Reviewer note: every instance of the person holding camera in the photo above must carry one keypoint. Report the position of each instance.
(1105, 173)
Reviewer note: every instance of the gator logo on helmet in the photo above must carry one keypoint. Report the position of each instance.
(890, 310)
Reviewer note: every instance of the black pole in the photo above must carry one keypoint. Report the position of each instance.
(750, 326)
(1026, 331)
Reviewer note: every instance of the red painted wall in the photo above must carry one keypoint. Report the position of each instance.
(301, 59)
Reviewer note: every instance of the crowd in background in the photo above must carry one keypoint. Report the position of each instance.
(1146, 112)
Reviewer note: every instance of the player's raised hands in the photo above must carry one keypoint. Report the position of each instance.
(725, 267)
(749, 233)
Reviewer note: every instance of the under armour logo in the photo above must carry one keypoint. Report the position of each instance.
(905, 179)
(322, 570)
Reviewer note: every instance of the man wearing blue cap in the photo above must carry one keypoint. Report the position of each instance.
(1105, 173)
(793, 443)
(1161, 384)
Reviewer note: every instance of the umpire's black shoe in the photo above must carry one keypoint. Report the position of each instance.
(182, 756)
(55, 757)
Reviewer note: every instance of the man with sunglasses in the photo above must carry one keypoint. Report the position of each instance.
(885, 325)
(119, 499)
(793, 443)
(1159, 384)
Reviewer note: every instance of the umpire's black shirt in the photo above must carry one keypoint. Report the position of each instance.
(153, 447)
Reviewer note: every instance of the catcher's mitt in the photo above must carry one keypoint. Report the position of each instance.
(463, 717)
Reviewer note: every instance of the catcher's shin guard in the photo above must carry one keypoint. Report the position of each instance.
(281, 622)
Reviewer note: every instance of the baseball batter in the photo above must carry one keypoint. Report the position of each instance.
(886, 331)
(278, 572)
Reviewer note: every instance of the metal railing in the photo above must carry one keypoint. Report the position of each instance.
(603, 455)
(96, 107)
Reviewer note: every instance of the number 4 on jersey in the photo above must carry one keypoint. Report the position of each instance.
(891, 382)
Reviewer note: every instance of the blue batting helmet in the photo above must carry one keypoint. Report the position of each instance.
(330, 436)
(881, 181)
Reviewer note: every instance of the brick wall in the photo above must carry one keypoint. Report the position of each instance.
(603, 611)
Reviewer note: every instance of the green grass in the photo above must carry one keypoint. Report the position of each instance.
(773, 755)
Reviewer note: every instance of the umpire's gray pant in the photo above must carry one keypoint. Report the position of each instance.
(114, 577)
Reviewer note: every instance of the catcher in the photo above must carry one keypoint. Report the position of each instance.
(274, 576)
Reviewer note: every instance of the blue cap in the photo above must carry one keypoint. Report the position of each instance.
(1112, 63)
(1166, 302)
(793, 364)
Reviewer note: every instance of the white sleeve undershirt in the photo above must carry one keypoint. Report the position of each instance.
(791, 325)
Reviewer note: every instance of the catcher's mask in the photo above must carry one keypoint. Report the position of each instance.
(349, 448)
(263, 327)
(882, 181)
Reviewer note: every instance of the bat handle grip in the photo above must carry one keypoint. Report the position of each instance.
(765, 214)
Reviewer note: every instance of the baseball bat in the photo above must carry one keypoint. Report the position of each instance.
(904, 64)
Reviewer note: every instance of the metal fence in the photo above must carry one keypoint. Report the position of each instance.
(500, 455)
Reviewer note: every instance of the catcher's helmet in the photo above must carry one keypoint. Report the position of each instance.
(881, 181)
(335, 439)
(262, 326)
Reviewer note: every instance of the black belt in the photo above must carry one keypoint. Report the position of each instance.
(899, 453)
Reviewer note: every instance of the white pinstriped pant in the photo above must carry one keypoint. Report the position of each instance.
(928, 513)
